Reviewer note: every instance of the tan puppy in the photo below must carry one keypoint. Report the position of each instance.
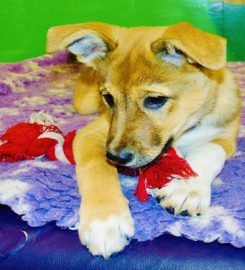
(153, 86)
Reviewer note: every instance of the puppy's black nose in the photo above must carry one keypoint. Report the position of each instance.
(123, 157)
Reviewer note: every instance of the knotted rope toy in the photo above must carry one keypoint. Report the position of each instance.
(40, 137)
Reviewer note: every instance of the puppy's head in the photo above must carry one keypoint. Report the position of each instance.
(157, 81)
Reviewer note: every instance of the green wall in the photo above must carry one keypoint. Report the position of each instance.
(24, 23)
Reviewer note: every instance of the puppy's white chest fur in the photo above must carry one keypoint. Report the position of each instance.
(196, 137)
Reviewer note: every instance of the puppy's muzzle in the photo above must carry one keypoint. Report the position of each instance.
(123, 157)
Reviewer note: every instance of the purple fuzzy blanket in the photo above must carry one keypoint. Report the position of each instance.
(42, 191)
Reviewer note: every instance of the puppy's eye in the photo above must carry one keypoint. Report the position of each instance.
(155, 103)
(109, 99)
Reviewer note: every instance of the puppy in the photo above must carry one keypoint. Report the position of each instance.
(152, 85)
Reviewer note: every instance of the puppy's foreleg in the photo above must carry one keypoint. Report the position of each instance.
(105, 219)
(194, 194)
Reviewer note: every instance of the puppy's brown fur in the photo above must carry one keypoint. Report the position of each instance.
(199, 89)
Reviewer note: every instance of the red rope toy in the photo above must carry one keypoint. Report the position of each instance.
(41, 138)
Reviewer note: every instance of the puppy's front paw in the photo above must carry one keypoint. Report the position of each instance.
(108, 235)
(190, 196)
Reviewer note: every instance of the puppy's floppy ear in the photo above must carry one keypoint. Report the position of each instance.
(90, 42)
(183, 42)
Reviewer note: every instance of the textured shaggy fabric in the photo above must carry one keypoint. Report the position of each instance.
(43, 191)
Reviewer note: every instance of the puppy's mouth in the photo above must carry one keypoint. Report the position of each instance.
(146, 163)
(167, 145)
